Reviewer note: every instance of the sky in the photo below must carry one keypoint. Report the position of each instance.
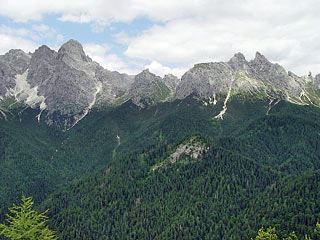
(168, 36)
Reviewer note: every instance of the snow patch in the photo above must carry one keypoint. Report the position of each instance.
(211, 101)
(272, 103)
(295, 102)
(23, 92)
(224, 109)
(91, 104)
(303, 93)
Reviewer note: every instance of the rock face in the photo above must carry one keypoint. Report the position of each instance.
(65, 78)
(148, 88)
(12, 63)
(258, 76)
(317, 81)
(67, 84)
(275, 75)
(114, 86)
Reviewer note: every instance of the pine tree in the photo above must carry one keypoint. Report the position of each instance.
(24, 223)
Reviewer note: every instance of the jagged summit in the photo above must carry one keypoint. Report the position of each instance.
(17, 53)
(148, 88)
(238, 57)
(146, 73)
(238, 62)
(69, 83)
(43, 52)
(260, 58)
(256, 77)
(13, 63)
(73, 49)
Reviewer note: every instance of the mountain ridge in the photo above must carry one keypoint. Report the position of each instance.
(68, 83)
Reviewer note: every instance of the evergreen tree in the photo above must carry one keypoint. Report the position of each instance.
(24, 223)
(270, 234)
(317, 229)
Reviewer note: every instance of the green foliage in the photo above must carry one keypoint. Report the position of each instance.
(260, 170)
(25, 223)
(222, 195)
(270, 234)
(292, 236)
(162, 91)
(317, 230)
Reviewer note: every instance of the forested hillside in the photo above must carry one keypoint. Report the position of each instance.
(113, 176)
(215, 194)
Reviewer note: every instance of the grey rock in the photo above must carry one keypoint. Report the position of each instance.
(208, 80)
(275, 75)
(148, 88)
(12, 63)
(317, 81)
(71, 82)
(114, 85)
(60, 80)
(68, 83)
(64, 83)
(171, 82)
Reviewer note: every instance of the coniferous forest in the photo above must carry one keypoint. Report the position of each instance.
(169, 171)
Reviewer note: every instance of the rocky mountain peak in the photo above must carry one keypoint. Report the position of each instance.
(260, 59)
(17, 53)
(146, 76)
(148, 88)
(74, 50)
(238, 57)
(43, 52)
(238, 62)
(12, 63)
(17, 57)
(171, 82)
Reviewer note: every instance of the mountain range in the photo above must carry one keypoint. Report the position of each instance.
(66, 84)
(227, 149)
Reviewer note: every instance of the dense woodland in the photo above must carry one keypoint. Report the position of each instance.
(98, 181)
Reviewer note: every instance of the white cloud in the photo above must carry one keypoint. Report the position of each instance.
(99, 53)
(193, 30)
(112, 62)
(13, 42)
(35, 32)
(22, 32)
(75, 18)
(160, 70)
(41, 28)
(122, 38)
(286, 33)
(59, 38)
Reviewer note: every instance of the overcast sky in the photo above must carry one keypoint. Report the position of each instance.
(168, 36)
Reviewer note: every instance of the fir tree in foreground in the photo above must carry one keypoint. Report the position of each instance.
(25, 223)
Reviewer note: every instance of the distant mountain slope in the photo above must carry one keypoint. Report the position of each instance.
(189, 190)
